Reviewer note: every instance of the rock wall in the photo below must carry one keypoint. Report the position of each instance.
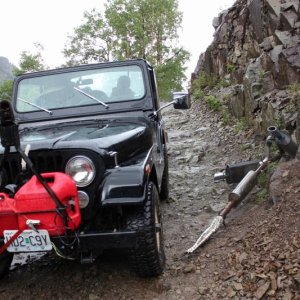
(256, 48)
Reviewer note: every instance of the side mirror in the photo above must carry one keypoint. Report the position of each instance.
(181, 100)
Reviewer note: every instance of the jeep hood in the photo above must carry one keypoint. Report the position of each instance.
(121, 136)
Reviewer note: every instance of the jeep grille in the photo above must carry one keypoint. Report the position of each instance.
(43, 161)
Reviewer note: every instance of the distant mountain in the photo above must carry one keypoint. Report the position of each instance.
(5, 69)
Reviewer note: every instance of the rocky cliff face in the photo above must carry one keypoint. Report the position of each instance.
(256, 49)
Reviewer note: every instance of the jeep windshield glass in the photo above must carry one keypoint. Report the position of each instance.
(90, 96)
(34, 105)
(97, 86)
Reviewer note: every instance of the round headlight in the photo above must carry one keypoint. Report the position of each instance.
(83, 199)
(81, 169)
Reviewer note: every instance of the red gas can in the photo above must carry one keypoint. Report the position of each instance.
(8, 218)
(33, 202)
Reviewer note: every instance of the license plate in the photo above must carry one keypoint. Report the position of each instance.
(28, 241)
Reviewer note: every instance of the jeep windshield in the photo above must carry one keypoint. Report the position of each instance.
(80, 88)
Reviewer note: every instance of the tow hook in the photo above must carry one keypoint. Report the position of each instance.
(32, 223)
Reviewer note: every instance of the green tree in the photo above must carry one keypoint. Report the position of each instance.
(133, 29)
(170, 73)
(29, 62)
(6, 88)
(91, 42)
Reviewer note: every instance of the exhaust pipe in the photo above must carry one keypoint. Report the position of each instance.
(244, 187)
(234, 173)
(283, 141)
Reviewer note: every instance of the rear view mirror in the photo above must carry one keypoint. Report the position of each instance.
(85, 81)
(181, 100)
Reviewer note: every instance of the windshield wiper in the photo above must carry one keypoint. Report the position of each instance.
(90, 96)
(35, 105)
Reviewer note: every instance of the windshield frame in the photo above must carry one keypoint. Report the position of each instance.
(143, 103)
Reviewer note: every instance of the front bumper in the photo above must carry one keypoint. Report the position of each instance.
(94, 241)
(90, 241)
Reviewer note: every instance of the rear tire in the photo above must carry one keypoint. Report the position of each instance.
(148, 257)
(5, 262)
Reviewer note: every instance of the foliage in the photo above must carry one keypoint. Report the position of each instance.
(227, 117)
(6, 88)
(279, 121)
(263, 177)
(294, 103)
(170, 74)
(202, 82)
(294, 88)
(29, 62)
(133, 29)
(245, 147)
(262, 195)
(263, 181)
(144, 28)
(242, 124)
(206, 81)
(222, 83)
(213, 102)
(91, 42)
(198, 94)
(261, 73)
(230, 68)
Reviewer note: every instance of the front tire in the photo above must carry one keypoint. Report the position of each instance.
(148, 257)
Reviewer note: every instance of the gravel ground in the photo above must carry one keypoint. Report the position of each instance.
(199, 145)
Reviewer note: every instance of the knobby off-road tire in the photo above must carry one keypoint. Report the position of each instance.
(5, 262)
(148, 257)
(164, 190)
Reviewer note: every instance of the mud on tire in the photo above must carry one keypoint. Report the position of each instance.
(148, 257)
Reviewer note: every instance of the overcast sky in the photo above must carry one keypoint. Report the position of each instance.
(25, 22)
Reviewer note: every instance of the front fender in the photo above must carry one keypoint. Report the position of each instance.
(126, 185)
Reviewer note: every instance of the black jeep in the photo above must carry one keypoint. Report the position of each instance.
(101, 125)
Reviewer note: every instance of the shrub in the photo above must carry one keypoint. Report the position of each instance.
(230, 68)
(198, 94)
(294, 88)
(262, 196)
(222, 83)
(264, 177)
(279, 121)
(226, 116)
(242, 124)
(203, 81)
(213, 102)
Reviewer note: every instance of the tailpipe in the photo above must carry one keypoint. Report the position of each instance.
(234, 173)
(283, 141)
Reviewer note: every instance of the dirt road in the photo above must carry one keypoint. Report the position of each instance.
(199, 146)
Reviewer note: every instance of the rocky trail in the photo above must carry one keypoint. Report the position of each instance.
(255, 257)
